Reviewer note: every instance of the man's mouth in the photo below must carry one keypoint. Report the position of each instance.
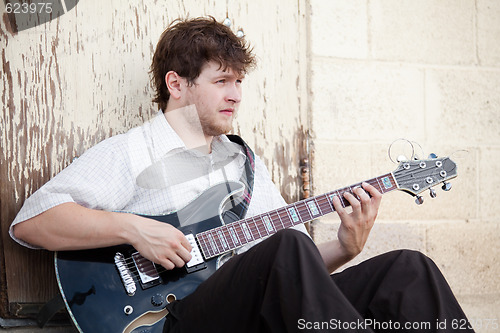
(228, 112)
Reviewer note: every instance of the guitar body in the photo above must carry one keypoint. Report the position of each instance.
(94, 292)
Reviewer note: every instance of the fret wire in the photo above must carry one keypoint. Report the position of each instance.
(317, 205)
(245, 222)
(341, 198)
(297, 211)
(321, 199)
(203, 244)
(267, 221)
(325, 204)
(240, 233)
(227, 236)
(380, 186)
(213, 244)
(270, 221)
(220, 236)
(211, 251)
(276, 211)
(262, 225)
(217, 241)
(305, 209)
(249, 227)
(233, 236)
(330, 197)
(294, 209)
(256, 227)
(285, 217)
(233, 233)
(209, 247)
(287, 221)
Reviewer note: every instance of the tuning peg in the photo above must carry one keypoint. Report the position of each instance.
(446, 186)
(402, 158)
(419, 200)
(432, 155)
(227, 22)
(432, 193)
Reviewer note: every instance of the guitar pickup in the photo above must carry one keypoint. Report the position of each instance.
(148, 274)
(196, 263)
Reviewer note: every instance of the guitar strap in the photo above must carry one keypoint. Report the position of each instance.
(237, 212)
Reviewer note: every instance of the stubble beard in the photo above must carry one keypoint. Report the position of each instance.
(211, 127)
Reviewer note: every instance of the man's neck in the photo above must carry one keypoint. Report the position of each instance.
(185, 122)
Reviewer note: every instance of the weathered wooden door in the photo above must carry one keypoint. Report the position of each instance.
(74, 80)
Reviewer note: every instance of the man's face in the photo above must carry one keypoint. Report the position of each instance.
(216, 94)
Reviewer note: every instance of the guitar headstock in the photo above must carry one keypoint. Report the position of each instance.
(417, 176)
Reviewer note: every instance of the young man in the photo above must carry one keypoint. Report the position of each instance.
(282, 284)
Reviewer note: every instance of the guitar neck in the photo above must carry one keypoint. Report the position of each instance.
(231, 236)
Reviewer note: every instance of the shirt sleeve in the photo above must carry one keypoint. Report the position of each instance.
(99, 179)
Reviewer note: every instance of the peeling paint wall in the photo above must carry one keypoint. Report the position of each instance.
(71, 82)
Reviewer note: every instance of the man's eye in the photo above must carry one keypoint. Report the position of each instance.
(221, 81)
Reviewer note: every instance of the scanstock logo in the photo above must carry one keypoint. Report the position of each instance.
(19, 15)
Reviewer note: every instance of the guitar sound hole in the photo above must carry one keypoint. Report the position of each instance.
(171, 298)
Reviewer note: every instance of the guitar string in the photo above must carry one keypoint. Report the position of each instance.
(323, 206)
(321, 201)
(285, 218)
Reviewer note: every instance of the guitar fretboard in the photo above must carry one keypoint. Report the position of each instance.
(231, 236)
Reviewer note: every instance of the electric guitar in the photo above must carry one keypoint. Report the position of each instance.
(115, 289)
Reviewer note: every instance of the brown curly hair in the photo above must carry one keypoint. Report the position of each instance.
(188, 44)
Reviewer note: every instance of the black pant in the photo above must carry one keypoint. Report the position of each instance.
(282, 285)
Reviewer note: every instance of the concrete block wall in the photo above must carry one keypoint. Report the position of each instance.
(427, 71)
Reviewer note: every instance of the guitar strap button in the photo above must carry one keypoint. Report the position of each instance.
(128, 309)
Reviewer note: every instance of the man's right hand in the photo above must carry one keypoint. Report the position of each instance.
(160, 242)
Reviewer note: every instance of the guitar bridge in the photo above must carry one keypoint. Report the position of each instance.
(125, 274)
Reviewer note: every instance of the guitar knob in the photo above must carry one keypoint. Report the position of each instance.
(446, 186)
(419, 200)
(157, 300)
(432, 193)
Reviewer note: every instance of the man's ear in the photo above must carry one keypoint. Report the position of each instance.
(174, 82)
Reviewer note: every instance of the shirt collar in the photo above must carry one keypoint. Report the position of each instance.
(165, 140)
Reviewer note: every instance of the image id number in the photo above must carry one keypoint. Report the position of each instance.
(31, 8)
(462, 324)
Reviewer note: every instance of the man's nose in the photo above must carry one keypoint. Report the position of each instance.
(234, 93)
